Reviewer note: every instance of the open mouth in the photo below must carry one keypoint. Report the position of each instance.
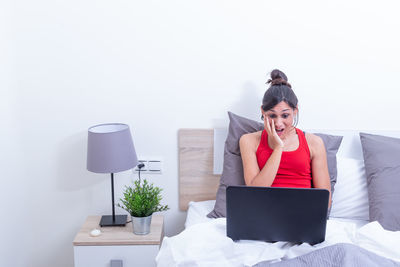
(279, 131)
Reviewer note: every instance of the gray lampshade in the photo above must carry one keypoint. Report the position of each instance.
(110, 148)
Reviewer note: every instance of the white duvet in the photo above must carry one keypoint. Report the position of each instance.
(206, 244)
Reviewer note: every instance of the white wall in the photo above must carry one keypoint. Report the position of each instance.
(160, 66)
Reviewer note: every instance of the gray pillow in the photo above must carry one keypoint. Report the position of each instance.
(232, 173)
(332, 143)
(382, 166)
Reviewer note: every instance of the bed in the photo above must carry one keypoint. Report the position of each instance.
(352, 237)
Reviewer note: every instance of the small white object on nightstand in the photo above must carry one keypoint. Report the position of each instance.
(95, 232)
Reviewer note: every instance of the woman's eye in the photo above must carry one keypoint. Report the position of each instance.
(285, 116)
(272, 116)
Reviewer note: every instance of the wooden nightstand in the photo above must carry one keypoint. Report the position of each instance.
(117, 243)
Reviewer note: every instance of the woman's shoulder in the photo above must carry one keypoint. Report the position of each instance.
(315, 143)
(313, 139)
(250, 138)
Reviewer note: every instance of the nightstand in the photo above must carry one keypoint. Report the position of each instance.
(117, 243)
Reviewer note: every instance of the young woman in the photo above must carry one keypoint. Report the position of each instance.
(282, 155)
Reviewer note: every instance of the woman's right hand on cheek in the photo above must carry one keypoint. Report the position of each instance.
(273, 138)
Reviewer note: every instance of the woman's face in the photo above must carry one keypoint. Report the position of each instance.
(283, 116)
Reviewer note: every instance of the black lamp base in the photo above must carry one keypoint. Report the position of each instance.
(107, 220)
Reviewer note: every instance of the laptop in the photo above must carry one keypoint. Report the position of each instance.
(276, 214)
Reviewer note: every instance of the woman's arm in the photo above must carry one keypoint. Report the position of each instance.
(252, 174)
(319, 164)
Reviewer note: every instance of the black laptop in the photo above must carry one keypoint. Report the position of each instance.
(276, 214)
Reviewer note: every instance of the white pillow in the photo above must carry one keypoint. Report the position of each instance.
(197, 212)
(350, 198)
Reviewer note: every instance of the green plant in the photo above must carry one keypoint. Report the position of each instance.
(142, 200)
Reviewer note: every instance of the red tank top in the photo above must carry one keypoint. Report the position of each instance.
(295, 166)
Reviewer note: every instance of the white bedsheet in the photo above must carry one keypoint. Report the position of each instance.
(204, 242)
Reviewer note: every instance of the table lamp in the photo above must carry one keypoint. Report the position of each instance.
(110, 150)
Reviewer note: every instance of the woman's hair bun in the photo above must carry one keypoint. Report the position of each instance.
(276, 74)
(278, 78)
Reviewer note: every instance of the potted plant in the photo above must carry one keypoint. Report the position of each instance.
(141, 201)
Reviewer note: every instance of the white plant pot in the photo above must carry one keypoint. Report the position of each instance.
(141, 225)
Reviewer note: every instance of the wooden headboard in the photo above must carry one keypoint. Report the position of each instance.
(196, 179)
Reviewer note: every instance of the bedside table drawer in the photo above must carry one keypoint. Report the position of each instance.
(101, 256)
